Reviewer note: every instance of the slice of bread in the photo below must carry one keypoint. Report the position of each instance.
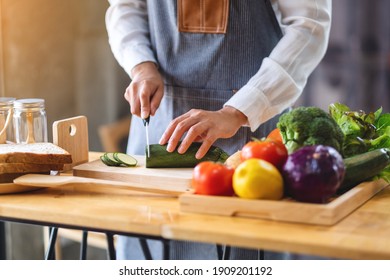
(36, 153)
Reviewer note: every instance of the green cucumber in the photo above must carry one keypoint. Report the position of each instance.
(161, 158)
(363, 167)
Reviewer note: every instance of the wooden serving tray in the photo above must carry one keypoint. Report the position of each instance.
(284, 210)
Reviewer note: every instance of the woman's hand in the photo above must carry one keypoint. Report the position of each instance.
(203, 126)
(145, 91)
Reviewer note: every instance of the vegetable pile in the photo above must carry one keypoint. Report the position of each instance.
(311, 156)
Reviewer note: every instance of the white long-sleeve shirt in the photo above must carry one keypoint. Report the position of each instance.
(282, 75)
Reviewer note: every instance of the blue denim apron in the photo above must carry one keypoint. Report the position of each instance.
(202, 71)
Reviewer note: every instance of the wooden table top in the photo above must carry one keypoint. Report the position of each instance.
(364, 234)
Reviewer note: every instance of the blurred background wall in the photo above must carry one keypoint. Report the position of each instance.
(356, 67)
(58, 50)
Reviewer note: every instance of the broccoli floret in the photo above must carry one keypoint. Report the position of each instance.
(303, 126)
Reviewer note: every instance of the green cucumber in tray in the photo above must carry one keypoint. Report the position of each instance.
(118, 159)
(161, 158)
(363, 167)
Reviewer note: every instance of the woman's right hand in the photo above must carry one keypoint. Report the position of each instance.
(145, 91)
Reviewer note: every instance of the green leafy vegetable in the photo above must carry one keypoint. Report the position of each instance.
(384, 174)
(382, 124)
(362, 131)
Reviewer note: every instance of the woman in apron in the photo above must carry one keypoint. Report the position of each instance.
(215, 71)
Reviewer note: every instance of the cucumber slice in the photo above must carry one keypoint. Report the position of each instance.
(118, 159)
(125, 159)
(110, 160)
(104, 160)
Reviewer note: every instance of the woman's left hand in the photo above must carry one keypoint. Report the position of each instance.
(202, 126)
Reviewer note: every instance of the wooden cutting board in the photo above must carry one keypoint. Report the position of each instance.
(8, 188)
(178, 179)
(49, 181)
(284, 210)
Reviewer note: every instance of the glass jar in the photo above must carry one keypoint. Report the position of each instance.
(30, 120)
(6, 126)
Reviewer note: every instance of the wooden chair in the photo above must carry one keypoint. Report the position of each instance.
(112, 135)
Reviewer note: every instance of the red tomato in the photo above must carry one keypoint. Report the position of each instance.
(210, 178)
(269, 150)
(275, 135)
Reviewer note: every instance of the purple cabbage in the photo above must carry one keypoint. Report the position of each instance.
(313, 173)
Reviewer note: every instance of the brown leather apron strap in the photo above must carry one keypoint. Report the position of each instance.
(203, 16)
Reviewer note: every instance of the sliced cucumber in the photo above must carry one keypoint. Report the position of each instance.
(118, 159)
(125, 159)
(109, 157)
(104, 160)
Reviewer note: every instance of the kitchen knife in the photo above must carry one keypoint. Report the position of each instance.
(146, 124)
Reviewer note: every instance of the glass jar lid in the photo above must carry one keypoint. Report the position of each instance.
(6, 101)
(29, 103)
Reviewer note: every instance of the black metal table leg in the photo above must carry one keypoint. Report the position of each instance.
(226, 253)
(50, 254)
(84, 245)
(3, 249)
(166, 249)
(219, 251)
(261, 254)
(111, 246)
(145, 249)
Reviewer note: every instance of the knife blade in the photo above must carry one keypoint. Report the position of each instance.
(146, 124)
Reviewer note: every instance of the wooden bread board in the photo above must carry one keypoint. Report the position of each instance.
(284, 210)
(177, 179)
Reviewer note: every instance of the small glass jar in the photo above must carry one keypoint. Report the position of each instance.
(6, 117)
(30, 120)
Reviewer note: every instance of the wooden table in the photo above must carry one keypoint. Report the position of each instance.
(365, 234)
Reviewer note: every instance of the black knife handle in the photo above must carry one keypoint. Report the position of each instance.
(146, 121)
